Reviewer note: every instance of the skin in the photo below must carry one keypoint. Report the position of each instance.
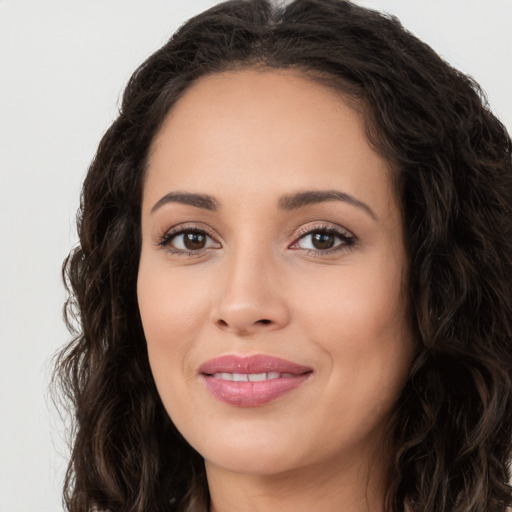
(260, 285)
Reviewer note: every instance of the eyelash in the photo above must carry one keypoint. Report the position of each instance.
(168, 236)
(347, 239)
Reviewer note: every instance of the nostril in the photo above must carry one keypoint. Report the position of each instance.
(242, 325)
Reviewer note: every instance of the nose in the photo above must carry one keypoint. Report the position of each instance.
(250, 297)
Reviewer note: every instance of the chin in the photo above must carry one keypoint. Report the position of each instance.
(261, 455)
(257, 464)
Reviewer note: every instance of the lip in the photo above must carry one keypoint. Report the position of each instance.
(249, 393)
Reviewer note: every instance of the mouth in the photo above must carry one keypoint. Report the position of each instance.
(251, 377)
(251, 381)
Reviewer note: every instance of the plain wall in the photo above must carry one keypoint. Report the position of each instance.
(63, 65)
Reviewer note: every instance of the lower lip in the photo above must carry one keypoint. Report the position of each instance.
(252, 394)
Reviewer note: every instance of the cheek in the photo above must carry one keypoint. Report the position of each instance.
(173, 311)
(360, 323)
(364, 305)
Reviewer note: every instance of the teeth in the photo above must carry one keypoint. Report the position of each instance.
(255, 377)
(251, 377)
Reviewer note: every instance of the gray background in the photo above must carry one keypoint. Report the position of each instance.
(63, 65)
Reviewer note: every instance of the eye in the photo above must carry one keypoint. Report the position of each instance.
(325, 240)
(187, 241)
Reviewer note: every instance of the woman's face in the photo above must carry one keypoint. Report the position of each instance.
(271, 275)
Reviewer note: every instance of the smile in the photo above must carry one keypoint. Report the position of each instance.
(251, 381)
(251, 377)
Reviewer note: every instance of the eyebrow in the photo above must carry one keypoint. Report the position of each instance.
(286, 203)
(198, 200)
(300, 199)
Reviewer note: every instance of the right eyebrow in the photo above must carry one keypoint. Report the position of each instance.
(198, 200)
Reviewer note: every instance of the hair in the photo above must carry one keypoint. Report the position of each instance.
(450, 431)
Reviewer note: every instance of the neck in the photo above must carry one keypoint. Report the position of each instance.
(352, 488)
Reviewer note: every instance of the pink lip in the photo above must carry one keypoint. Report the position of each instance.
(252, 394)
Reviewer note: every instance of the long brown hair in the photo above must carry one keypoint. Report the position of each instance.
(452, 426)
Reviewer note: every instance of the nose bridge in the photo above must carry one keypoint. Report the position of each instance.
(249, 298)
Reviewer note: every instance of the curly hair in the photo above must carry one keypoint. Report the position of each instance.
(451, 429)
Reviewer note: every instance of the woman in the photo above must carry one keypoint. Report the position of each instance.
(294, 276)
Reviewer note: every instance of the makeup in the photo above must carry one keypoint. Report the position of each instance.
(251, 381)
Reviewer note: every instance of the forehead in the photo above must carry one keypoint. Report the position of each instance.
(265, 130)
(258, 98)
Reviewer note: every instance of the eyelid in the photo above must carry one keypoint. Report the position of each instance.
(169, 234)
(323, 225)
(348, 240)
(346, 237)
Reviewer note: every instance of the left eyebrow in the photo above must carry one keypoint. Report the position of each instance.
(301, 199)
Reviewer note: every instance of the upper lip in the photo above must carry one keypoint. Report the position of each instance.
(257, 363)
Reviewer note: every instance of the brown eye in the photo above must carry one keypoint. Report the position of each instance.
(194, 240)
(325, 240)
(322, 241)
(187, 241)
